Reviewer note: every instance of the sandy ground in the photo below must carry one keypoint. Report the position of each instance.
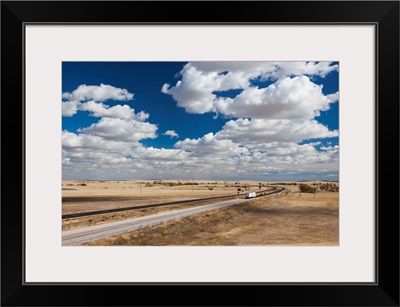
(291, 219)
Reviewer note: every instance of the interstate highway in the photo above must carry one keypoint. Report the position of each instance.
(97, 232)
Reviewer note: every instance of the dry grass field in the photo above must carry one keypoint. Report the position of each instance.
(85, 196)
(291, 219)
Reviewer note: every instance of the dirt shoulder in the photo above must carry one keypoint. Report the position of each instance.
(290, 219)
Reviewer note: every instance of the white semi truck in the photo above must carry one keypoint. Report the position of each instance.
(250, 195)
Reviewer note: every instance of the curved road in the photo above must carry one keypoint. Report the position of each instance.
(97, 232)
(82, 214)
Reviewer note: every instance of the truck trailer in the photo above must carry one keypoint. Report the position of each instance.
(250, 195)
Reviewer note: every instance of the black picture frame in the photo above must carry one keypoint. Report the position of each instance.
(383, 14)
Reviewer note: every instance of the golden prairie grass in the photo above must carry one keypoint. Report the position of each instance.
(290, 219)
(101, 195)
(84, 196)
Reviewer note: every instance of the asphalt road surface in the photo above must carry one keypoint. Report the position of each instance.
(97, 232)
(92, 233)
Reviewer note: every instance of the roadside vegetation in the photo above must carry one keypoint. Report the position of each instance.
(305, 188)
(287, 219)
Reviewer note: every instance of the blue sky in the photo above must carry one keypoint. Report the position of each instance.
(206, 120)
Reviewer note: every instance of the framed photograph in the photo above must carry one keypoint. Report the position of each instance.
(241, 146)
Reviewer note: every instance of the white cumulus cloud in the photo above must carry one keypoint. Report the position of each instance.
(91, 94)
(72, 140)
(209, 144)
(201, 81)
(263, 131)
(121, 130)
(69, 108)
(100, 92)
(99, 109)
(288, 98)
(171, 133)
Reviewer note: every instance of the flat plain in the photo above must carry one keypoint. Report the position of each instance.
(292, 218)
